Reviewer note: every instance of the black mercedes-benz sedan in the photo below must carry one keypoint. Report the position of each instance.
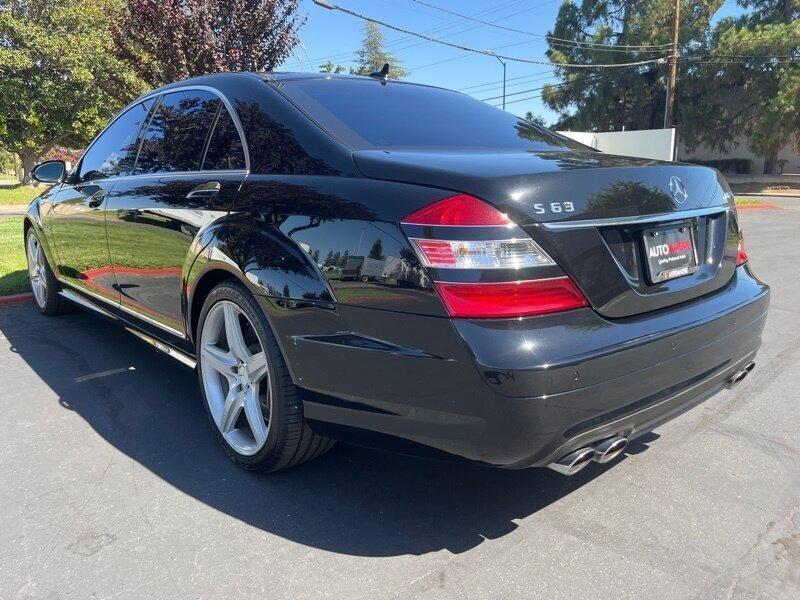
(400, 266)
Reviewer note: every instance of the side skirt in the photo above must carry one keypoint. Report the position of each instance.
(162, 347)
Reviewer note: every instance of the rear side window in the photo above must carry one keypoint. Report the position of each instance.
(365, 115)
(114, 152)
(177, 133)
(225, 146)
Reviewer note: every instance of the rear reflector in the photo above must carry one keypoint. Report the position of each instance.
(741, 255)
(512, 299)
(460, 210)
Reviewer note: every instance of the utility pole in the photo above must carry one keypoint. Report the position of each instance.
(669, 108)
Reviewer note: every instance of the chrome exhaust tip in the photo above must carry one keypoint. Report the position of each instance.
(610, 449)
(574, 462)
(739, 376)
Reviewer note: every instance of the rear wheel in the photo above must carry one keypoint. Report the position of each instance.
(44, 285)
(249, 395)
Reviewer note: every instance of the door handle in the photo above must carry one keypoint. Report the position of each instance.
(96, 202)
(205, 190)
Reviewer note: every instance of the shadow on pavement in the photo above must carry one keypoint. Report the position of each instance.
(352, 501)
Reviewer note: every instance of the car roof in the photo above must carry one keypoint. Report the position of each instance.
(268, 77)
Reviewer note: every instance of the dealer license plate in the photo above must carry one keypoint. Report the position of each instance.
(670, 252)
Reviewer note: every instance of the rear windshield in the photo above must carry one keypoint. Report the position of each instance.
(368, 115)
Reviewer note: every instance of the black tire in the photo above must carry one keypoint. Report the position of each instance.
(51, 303)
(290, 441)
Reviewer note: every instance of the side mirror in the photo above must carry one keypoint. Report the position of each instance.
(51, 171)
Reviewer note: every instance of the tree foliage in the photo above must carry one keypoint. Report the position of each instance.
(169, 40)
(376, 251)
(373, 55)
(60, 80)
(370, 57)
(752, 97)
(608, 99)
(719, 98)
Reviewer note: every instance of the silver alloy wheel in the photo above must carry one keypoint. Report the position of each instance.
(36, 270)
(235, 377)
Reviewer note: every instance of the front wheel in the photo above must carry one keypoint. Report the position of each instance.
(44, 285)
(249, 396)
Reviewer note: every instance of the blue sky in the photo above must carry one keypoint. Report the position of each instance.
(335, 36)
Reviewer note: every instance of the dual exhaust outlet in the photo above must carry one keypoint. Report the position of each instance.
(739, 376)
(611, 448)
(602, 453)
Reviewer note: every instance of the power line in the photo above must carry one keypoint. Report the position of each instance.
(614, 47)
(392, 45)
(438, 62)
(477, 85)
(528, 81)
(347, 11)
(591, 78)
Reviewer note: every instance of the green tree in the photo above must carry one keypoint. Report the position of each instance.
(376, 251)
(169, 40)
(331, 67)
(372, 55)
(60, 80)
(608, 99)
(535, 119)
(757, 98)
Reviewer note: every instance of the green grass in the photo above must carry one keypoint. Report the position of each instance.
(13, 266)
(18, 194)
(741, 201)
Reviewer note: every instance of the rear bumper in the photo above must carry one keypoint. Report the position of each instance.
(597, 378)
(524, 392)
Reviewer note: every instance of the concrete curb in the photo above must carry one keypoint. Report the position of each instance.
(764, 206)
(15, 299)
(13, 209)
(775, 194)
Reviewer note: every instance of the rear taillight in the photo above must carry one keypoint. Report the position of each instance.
(487, 239)
(741, 253)
(458, 211)
(510, 299)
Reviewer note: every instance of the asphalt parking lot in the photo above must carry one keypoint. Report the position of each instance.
(112, 486)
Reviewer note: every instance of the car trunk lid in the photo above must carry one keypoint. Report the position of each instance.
(590, 211)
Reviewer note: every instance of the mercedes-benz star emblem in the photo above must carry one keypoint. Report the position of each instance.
(678, 190)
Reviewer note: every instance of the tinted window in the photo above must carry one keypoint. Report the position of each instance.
(177, 133)
(225, 147)
(114, 151)
(365, 114)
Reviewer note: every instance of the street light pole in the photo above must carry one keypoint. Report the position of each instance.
(504, 83)
(502, 62)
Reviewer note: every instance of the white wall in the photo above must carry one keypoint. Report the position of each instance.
(647, 143)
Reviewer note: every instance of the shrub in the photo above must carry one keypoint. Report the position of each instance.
(739, 166)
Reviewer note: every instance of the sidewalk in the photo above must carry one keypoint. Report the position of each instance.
(10, 210)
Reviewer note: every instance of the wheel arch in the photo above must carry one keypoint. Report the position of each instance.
(204, 282)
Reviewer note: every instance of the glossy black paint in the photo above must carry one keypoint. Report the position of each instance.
(314, 230)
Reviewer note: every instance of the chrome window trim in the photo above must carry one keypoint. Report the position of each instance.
(155, 94)
(234, 115)
(124, 308)
(636, 220)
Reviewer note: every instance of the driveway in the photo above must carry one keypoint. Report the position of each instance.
(113, 486)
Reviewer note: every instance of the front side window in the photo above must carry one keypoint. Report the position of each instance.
(114, 152)
(225, 146)
(177, 133)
